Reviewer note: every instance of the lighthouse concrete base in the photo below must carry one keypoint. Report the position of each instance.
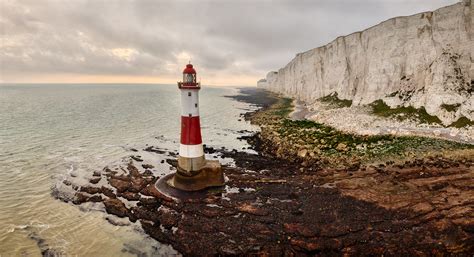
(210, 175)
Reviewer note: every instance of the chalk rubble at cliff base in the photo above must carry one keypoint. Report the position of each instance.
(360, 120)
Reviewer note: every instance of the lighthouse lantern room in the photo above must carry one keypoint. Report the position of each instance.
(194, 172)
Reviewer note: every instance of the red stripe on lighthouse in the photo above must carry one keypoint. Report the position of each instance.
(190, 130)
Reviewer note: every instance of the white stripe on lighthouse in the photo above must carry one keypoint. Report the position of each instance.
(191, 151)
(189, 102)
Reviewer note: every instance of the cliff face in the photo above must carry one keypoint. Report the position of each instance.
(423, 60)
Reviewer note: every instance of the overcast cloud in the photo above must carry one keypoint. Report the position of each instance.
(238, 41)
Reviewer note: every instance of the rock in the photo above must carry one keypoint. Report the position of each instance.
(302, 153)
(115, 207)
(120, 185)
(136, 158)
(96, 173)
(147, 166)
(390, 70)
(134, 172)
(304, 245)
(130, 196)
(341, 147)
(95, 198)
(107, 192)
(154, 150)
(94, 180)
(148, 201)
(169, 219)
(145, 214)
(251, 209)
(137, 184)
(90, 190)
(299, 229)
(109, 172)
(80, 198)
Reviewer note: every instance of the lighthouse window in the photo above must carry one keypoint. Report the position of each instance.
(195, 105)
(188, 78)
(189, 93)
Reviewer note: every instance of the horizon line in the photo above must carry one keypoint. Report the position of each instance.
(110, 83)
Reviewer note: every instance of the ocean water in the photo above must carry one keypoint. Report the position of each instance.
(50, 131)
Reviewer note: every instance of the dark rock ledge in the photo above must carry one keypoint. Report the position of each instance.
(271, 208)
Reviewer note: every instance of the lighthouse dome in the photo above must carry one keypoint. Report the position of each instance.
(189, 69)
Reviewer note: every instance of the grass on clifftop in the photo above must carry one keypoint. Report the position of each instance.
(304, 139)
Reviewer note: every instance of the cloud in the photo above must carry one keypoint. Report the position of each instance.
(225, 39)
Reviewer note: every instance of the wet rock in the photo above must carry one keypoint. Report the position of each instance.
(229, 250)
(96, 173)
(107, 192)
(147, 173)
(251, 209)
(210, 212)
(136, 158)
(94, 180)
(130, 196)
(137, 184)
(148, 166)
(145, 214)
(134, 172)
(80, 198)
(90, 190)
(305, 245)
(299, 229)
(154, 150)
(120, 185)
(115, 207)
(109, 172)
(95, 198)
(148, 201)
(169, 219)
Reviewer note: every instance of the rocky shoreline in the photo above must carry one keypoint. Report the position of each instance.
(360, 120)
(289, 200)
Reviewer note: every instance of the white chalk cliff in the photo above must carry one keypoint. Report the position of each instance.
(424, 60)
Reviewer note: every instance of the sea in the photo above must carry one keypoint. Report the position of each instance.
(51, 131)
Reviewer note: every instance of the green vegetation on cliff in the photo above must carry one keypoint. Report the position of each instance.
(420, 115)
(335, 101)
(310, 141)
(403, 113)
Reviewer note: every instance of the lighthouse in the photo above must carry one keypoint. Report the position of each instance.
(194, 172)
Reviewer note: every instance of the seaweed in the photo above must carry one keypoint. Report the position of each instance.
(380, 108)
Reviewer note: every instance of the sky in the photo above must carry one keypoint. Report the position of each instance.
(150, 41)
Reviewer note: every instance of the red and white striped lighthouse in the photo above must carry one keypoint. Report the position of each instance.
(191, 154)
(194, 172)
